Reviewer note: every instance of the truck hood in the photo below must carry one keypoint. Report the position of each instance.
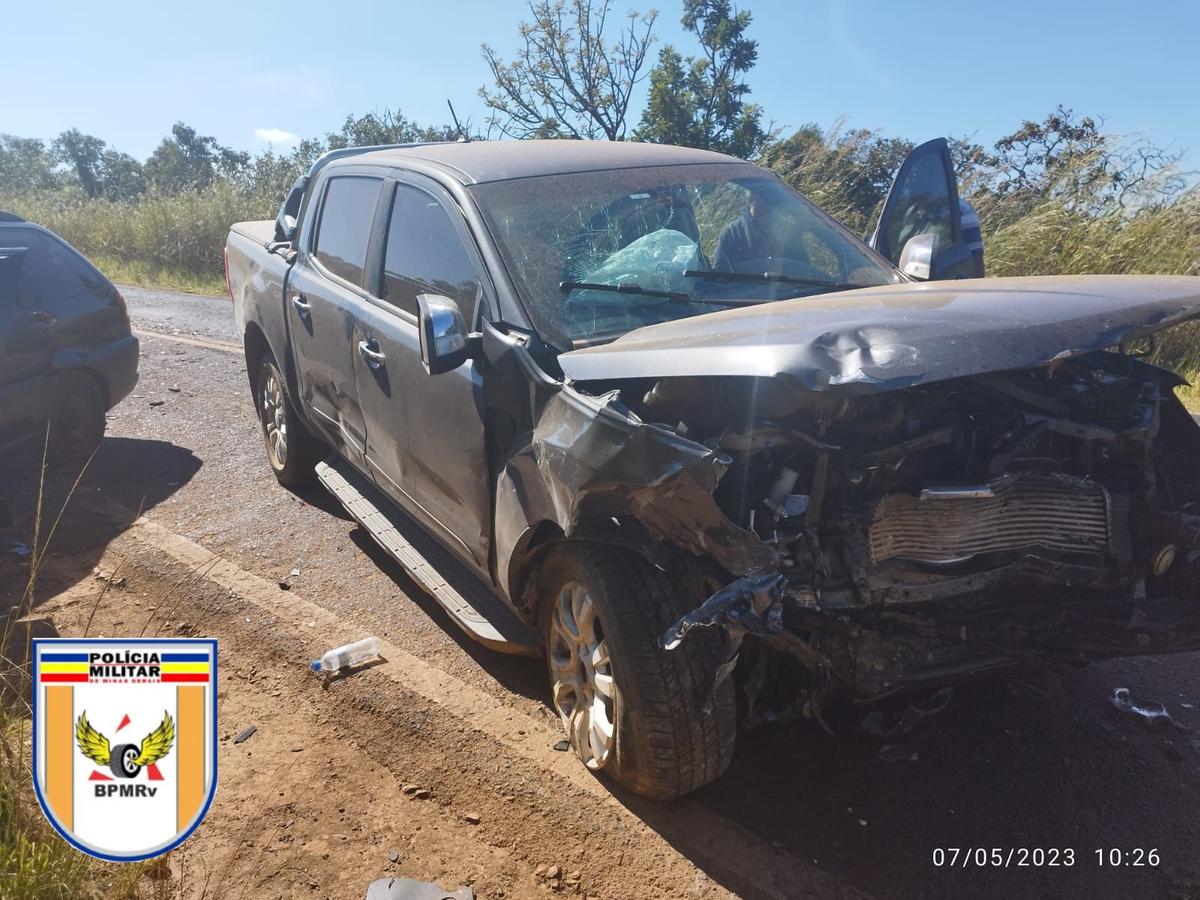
(894, 336)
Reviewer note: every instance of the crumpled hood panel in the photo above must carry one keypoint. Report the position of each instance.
(894, 336)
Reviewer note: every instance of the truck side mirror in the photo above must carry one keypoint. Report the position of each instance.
(285, 229)
(917, 257)
(289, 211)
(445, 342)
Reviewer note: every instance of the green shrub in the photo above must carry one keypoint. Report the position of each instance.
(180, 233)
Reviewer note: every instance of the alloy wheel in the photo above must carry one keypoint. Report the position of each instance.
(274, 418)
(585, 692)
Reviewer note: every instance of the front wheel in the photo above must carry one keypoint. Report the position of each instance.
(291, 450)
(631, 709)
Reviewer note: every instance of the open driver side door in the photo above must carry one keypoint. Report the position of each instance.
(923, 204)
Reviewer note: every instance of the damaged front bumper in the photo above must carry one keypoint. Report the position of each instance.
(871, 653)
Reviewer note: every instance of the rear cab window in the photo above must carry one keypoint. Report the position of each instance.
(425, 254)
(345, 224)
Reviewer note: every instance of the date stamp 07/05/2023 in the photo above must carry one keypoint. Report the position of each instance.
(1042, 857)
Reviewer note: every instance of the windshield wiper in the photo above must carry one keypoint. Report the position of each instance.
(719, 275)
(624, 287)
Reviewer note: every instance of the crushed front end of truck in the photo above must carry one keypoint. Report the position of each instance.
(868, 537)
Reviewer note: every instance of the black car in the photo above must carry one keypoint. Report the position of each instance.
(67, 354)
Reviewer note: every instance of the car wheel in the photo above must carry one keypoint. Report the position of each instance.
(76, 419)
(121, 760)
(291, 450)
(631, 709)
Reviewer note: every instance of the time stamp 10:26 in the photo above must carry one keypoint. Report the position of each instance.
(1040, 857)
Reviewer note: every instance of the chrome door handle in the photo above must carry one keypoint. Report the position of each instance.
(302, 306)
(374, 358)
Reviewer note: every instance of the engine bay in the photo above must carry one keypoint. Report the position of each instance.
(957, 526)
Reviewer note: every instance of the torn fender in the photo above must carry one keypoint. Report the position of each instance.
(590, 458)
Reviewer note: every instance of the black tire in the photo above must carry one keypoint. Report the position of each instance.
(76, 419)
(120, 762)
(294, 466)
(662, 746)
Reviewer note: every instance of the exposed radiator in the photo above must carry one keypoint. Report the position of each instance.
(1012, 513)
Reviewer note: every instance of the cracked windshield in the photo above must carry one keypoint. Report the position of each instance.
(597, 254)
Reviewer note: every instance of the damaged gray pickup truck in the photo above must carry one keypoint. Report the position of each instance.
(649, 412)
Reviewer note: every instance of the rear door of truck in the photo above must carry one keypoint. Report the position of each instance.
(324, 292)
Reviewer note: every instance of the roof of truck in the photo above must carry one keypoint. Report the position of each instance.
(476, 162)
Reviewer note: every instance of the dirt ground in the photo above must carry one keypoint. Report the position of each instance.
(439, 763)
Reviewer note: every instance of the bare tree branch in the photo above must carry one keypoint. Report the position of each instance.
(567, 79)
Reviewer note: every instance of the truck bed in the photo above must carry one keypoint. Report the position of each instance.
(256, 280)
(262, 232)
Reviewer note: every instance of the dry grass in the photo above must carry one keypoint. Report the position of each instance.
(177, 238)
(35, 863)
(150, 276)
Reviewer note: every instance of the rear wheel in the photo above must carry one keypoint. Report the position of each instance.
(630, 708)
(291, 450)
(76, 419)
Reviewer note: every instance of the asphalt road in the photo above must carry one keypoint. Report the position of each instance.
(1034, 763)
(171, 312)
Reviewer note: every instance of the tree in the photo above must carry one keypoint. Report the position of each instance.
(84, 154)
(701, 101)
(567, 79)
(99, 170)
(190, 161)
(25, 164)
(388, 127)
(121, 176)
(846, 173)
(1073, 159)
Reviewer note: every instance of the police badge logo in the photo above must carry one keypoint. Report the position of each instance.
(125, 738)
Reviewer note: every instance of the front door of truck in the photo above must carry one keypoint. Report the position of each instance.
(324, 293)
(424, 435)
(923, 200)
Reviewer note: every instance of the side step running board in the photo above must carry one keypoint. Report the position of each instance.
(476, 609)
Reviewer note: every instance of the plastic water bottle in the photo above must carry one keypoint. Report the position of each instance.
(348, 655)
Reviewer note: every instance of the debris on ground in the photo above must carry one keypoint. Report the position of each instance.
(245, 734)
(407, 889)
(347, 656)
(877, 724)
(472, 818)
(114, 580)
(1153, 715)
(562, 745)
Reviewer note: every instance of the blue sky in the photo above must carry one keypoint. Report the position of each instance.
(237, 70)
